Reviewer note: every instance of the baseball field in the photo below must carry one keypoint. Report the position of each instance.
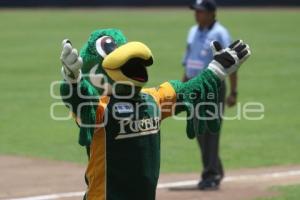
(41, 156)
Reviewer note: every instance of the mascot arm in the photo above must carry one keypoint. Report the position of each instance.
(175, 96)
(78, 96)
(82, 100)
(77, 93)
(199, 96)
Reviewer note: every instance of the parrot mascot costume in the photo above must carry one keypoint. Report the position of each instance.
(119, 119)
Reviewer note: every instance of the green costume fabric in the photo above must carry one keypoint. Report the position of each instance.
(87, 113)
(205, 88)
(138, 156)
(127, 148)
(89, 53)
(90, 59)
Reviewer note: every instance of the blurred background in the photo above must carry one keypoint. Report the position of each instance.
(30, 39)
(81, 3)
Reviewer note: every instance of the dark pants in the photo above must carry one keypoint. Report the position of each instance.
(209, 146)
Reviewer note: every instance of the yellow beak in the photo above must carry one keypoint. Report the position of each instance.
(113, 62)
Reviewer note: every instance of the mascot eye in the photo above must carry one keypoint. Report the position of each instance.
(105, 45)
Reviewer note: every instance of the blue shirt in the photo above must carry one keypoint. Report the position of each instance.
(199, 54)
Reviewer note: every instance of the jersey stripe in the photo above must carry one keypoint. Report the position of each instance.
(96, 171)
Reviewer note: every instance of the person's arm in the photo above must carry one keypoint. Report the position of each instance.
(232, 98)
(184, 62)
(189, 40)
(225, 38)
(184, 77)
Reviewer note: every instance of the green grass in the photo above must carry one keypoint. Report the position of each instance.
(29, 56)
(286, 193)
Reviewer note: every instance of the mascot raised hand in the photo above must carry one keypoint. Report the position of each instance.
(119, 119)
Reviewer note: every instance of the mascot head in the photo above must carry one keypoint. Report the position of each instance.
(112, 62)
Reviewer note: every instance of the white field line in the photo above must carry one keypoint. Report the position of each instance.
(52, 196)
(253, 177)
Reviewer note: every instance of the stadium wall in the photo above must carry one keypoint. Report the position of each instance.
(90, 3)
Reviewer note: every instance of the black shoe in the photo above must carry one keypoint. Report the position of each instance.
(208, 185)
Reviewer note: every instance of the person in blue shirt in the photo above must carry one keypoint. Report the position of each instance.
(197, 57)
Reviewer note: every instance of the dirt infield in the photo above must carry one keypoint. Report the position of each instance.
(36, 179)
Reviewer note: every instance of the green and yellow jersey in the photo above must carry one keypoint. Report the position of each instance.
(124, 134)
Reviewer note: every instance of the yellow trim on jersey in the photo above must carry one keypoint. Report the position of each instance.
(96, 170)
(165, 97)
